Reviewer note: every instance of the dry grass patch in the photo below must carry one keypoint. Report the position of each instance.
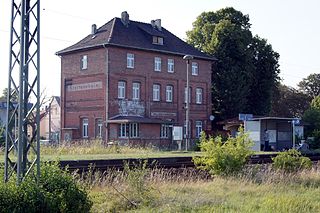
(191, 190)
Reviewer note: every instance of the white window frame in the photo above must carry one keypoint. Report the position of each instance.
(195, 68)
(130, 60)
(157, 64)
(169, 93)
(121, 89)
(156, 92)
(199, 128)
(165, 131)
(123, 130)
(170, 65)
(84, 62)
(99, 127)
(185, 95)
(133, 130)
(129, 130)
(199, 95)
(85, 127)
(135, 91)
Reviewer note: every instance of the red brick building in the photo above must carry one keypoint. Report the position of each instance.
(126, 82)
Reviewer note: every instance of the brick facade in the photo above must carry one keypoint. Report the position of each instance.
(92, 94)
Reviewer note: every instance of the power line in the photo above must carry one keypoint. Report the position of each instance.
(69, 15)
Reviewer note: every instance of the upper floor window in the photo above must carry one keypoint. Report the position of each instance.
(157, 40)
(195, 69)
(156, 92)
(199, 95)
(169, 93)
(135, 91)
(121, 89)
(157, 64)
(198, 128)
(130, 60)
(84, 62)
(85, 127)
(170, 65)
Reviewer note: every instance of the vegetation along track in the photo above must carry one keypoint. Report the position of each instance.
(169, 162)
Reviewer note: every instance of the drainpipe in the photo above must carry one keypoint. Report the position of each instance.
(107, 94)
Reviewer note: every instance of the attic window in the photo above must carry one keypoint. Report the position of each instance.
(157, 40)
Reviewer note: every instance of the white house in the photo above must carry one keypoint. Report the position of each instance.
(50, 120)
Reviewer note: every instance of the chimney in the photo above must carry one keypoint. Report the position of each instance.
(153, 24)
(158, 24)
(93, 29)
(125, 18)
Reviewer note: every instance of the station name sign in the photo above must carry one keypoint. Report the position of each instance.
(85, 86)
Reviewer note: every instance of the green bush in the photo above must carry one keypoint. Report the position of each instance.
(315, 143)
(291, 161)
(56, 192)
(224, 158)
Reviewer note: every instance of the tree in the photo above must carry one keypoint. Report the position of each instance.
(247, 67)
(5, 94)
(288, 102)
(315, 103)
(310, 85)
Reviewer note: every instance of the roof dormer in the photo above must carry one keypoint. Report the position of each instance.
(157, 40)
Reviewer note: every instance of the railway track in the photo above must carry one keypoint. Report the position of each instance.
(170, 162)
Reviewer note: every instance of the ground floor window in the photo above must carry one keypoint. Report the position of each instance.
(165, 131)
(85, 127)
(198, 128)
(99, 128)
(129, 130)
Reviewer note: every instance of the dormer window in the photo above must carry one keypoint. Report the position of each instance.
(157, 40)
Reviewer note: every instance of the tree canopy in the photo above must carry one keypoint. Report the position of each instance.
(247, 68)
(289, 102)
(310, 85)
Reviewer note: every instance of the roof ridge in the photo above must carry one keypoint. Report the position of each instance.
(111, 30)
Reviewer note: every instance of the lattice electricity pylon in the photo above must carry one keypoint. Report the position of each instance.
(22, 151)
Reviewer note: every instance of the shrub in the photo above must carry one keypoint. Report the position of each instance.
(56, 192)
(291, 161)
(315, 143)
(136, 191)
(224, 158)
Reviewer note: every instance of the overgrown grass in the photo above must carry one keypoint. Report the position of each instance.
(257, 189)
(95, 150)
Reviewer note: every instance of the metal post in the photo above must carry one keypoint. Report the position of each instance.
(293, 135)
(187, 58)
(24, 63)
(49, 123)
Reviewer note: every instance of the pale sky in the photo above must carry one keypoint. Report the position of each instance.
(290, 26)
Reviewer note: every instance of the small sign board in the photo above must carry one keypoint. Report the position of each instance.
(296, 121)
(245, 117)
(177, 133)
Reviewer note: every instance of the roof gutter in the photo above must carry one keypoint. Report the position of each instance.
(131, 47)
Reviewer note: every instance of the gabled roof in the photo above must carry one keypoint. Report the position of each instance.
(57, 98)
(136, 35)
